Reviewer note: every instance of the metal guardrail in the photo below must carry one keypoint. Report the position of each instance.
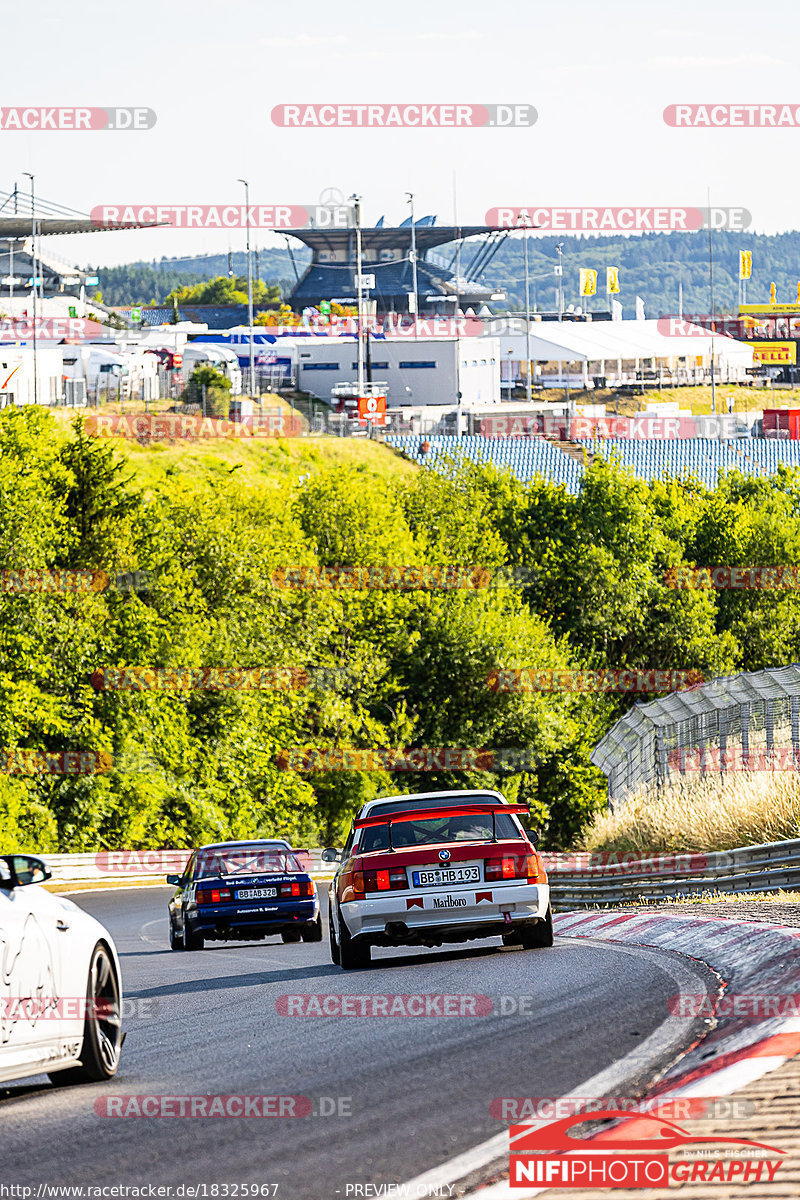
(136, 865)
(762, 868)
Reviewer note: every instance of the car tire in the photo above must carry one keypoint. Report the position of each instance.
(191, 941)
(540, 935)
(353, 955)
(291, 935)
(335, 956)
(175, 939)
(313, 933)
(102, 1028)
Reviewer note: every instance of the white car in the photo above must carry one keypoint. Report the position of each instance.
(60, 991)
(436, 867)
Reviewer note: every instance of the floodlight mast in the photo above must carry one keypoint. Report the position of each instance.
(359, 282)
(33, 280)
(249, 284)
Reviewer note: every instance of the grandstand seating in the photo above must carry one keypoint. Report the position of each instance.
(705, 458)
(527, 457)
(650, 459)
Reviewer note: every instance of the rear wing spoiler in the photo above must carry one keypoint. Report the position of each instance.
(465, 810)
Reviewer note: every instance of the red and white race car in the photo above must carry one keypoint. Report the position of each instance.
(437, 867)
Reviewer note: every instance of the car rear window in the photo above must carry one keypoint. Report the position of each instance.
(245, 860)
(426, 831)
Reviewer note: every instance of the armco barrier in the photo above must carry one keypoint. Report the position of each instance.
(135, 865)
(763, 868)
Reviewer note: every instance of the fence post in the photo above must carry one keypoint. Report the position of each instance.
(769, 727)
(795, 703)
(744, 710)
(722, 719)
(661, 758)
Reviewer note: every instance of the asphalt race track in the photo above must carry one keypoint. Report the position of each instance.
(407, 1093)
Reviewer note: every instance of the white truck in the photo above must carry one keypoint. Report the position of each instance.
(222, 358)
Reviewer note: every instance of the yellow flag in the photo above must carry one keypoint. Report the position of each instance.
(745, 264)
(772, 294)
(612, 281)
(588, 282)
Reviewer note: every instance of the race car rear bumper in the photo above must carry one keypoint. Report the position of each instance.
(225, 921)
(454, 915)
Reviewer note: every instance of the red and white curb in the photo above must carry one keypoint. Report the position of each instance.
(753, 958)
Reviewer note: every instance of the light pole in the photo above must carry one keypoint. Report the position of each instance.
(528, 396)
(410, 197)
(560, 274)
(249, 282)
(33, 277)
(711, 297)
(357, 210)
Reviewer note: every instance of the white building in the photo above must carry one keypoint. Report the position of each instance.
(419, 372)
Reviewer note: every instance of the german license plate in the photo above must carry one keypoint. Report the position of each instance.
(256, 893)
(441, 876)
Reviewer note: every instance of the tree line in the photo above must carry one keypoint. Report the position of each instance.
(564, 583)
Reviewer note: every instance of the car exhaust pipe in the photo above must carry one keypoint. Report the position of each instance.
(397, 929)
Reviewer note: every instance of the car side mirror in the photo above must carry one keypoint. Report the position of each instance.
(26, 869)
(174, 880)
(533, 836)
(331, 855)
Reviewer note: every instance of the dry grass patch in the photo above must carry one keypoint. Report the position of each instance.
(745, 809)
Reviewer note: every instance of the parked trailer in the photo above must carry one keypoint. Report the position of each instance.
(17, 385)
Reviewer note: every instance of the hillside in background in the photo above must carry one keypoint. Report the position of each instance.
(651, 266)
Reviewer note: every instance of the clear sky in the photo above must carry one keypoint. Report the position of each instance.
(600, 76)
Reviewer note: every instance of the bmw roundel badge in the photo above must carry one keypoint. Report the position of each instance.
(444, 855)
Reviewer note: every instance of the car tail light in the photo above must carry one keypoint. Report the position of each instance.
(512, 866)
(214, 896)
(391, 879)
(358, 883)
(305, 887)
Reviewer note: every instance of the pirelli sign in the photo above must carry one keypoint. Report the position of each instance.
(774, 354)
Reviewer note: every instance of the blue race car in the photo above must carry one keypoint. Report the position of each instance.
(243, 891)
